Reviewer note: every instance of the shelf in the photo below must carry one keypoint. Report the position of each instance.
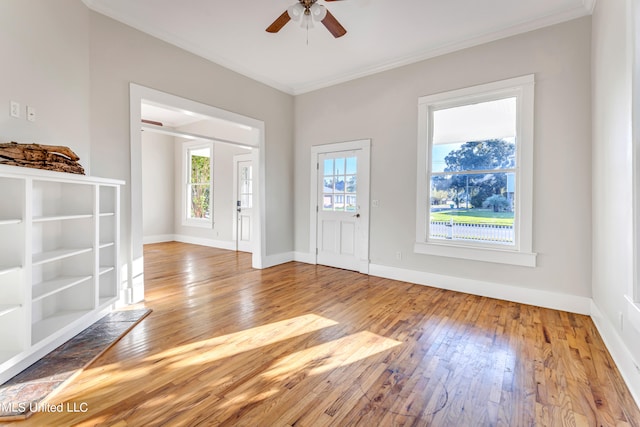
(61, 217)
(7, 354)
(51, 287)
(8, 308)
(106, 245)
(57, 254)
(106, 300)
(59, 259)
(11, 221)
(52, 324)
(105, 270)
(9, 269)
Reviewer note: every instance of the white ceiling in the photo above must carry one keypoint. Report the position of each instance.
(168, 116)
(380, 34)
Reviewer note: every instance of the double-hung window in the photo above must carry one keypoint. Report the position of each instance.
(475, 172)
(198, 184)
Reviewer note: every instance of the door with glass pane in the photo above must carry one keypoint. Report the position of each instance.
(340, 224)
(244, 201)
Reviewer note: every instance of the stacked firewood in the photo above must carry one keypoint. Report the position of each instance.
(49, 157)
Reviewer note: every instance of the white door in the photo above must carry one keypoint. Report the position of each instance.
(243, 183)
(342, 220)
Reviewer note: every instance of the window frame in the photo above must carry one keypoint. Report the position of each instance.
(522, 88)
(187, 220)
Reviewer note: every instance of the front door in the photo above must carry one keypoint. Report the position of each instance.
(342, 209)
(244, 201)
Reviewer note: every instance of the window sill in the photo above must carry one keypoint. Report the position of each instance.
(500, 256)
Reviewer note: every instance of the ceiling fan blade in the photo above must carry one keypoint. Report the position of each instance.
(333, 25)
(279, 23)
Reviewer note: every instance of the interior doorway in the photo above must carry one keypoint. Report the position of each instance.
(246, 132)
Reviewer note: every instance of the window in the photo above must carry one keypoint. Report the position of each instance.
(475, 149)
(246, 187)
(340, 183)
(198, 208)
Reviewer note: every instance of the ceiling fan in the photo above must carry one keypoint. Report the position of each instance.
(309, 11)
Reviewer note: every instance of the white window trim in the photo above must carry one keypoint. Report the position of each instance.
(521, 253)
(195, 222)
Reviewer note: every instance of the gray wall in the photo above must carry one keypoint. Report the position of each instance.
(45, 64)
(383, 107)
(158, 178)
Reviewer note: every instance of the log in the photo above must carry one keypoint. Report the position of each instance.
(65, 151)
(49, 157)
(52, 166)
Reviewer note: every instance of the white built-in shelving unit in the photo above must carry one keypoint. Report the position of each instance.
(59, 266)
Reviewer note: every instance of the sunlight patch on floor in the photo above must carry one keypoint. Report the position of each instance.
(317, 360)
(209, 350)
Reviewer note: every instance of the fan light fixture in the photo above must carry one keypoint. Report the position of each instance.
(308, 12)
(315, 13)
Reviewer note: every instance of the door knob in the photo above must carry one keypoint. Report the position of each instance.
(357, 215)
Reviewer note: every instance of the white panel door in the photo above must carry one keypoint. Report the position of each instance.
(342, 231)
(244, 201)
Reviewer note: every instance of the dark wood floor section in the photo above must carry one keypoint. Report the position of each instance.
(305, 345)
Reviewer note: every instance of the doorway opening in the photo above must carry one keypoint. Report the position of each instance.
(228, 134)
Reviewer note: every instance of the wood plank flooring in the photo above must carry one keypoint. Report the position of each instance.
(304, 345)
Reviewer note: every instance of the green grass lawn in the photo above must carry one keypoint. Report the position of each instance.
(474, 216)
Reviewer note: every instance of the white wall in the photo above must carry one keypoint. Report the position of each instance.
(613, 262)
(45, 64)
(383, 107)
(158, 192)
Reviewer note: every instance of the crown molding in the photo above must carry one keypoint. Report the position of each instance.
(585, 9)
(589, 5)
(551, 19)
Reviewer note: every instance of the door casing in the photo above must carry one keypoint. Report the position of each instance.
(364, 172)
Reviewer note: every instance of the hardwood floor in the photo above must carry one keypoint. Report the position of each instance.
(305, 345)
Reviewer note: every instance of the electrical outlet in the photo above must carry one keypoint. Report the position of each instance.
(15, 109)
(399, 256)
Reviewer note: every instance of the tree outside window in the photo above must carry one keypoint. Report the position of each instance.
(199, 183)
(474, 187)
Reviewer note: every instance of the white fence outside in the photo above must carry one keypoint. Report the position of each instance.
(478, 232)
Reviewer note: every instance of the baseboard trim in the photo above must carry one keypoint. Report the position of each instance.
(158, 238)
(220, 244)
(305, 257)
(540, 298)
(621, 355)
(277, 259)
